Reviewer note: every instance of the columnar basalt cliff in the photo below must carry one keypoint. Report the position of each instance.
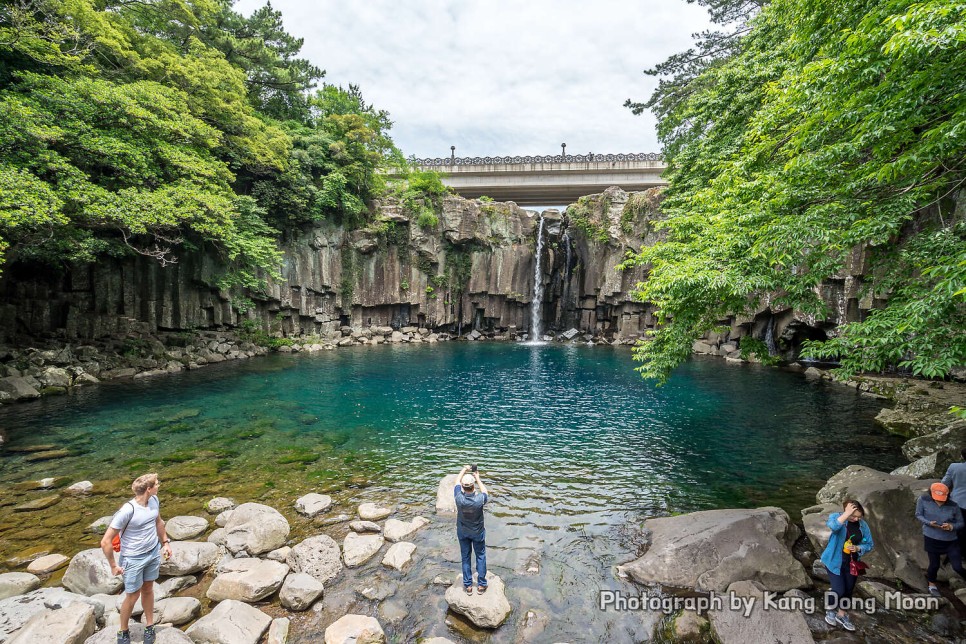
(473, 269)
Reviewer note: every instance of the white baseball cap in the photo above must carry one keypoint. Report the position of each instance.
(468, 480)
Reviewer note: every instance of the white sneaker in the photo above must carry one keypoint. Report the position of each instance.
(830, 618)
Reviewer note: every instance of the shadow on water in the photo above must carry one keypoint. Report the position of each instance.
(576, 448)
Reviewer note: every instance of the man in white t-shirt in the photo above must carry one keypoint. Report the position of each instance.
(143, 539)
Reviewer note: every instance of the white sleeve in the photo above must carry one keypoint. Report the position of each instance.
(122, 517)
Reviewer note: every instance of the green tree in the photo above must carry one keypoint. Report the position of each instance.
(821, 130)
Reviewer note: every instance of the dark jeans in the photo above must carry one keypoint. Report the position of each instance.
(478, 544)
(934, 551)
(843, 583)
(962, 534)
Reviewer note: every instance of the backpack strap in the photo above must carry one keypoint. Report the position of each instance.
(128, 519)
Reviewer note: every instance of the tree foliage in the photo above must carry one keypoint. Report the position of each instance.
(162, 125)
(822, 128)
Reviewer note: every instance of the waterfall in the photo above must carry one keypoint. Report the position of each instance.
(535, 330)
(770, 336)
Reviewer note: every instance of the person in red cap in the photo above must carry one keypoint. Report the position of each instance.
(940, 519)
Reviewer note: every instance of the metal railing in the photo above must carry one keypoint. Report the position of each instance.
(555, 158)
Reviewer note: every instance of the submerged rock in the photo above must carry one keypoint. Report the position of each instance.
(488, 610)
(710, 550)
(372, 512)
(364, 526)
(219, 504)
(396, 530)
(47, 564)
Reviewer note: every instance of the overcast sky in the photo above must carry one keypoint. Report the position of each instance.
(495, 77)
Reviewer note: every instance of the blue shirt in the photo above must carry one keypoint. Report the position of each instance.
(832, 556)
(928, 510)
(469, 512)
(955, 480)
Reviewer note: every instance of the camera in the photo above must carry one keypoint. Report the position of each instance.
(473, 468)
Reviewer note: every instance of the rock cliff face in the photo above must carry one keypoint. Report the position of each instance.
(473, 269)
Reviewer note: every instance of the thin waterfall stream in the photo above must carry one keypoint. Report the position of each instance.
(536, 332)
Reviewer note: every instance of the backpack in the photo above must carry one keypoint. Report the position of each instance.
(116, 541)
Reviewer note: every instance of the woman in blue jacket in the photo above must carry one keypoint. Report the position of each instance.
(850, 540)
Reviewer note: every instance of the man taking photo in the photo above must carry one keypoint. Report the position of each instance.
(471, 496)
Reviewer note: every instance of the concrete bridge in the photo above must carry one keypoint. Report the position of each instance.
(547, 180)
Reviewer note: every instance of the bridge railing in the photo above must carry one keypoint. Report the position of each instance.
(557, 158)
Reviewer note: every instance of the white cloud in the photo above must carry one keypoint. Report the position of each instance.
(497, 77)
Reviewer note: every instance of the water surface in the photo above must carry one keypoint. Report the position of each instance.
(576, 449)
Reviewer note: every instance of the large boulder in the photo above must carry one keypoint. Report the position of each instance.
(445, 498)
(710, 550)
(185, 527)
(248, 580)
(317, 556)
(359, 548)
(231, 622)
(951, 438)
(17, 583)
(932, 466)
(89, 573)
(254, 528)
(17, 389)
(300, 591)
(488, 610)
(72, 624)
(188, 557)
(355, 629)
(734, 627)
(396, 530)
(16, 611)
(889, 503)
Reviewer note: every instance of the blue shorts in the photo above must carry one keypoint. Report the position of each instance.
(141, 568)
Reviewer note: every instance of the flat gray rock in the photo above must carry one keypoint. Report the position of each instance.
(71, 624)
(373, 512)
(710, 550)
(359, 548)
(176, 610)
(182, 528)
(189, 557)
(399, 555)
(45, 565)
(16, 611)
(355, 629)
(231, 622)
(364, 526)
(313, 504)
(247, 580)
(396, 530)
(17, 583)
(165, 634)
(732, 627)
